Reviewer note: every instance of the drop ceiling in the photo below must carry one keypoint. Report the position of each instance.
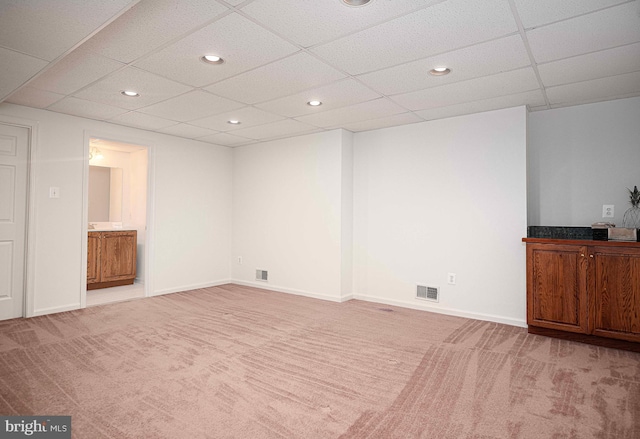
(368, 65)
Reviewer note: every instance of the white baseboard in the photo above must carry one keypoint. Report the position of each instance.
(55, 309)
(420, 305)
(266, 286)
(190, 287)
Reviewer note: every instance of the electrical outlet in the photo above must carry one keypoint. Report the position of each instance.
(451, 278)
(607, 210)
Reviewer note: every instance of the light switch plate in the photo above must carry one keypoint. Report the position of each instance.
(54, 192)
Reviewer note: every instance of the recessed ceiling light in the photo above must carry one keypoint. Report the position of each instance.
(355, 2)
(314, 103)
(211, 59)
(130, 93)
(439, 71)
(234, 122)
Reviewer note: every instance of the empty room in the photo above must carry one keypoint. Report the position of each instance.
(320, 219)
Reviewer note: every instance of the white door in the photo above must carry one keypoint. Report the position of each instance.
(13, 208)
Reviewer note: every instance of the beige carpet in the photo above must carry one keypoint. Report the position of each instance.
(238, 362)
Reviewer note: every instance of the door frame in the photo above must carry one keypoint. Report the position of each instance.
(28, 296)
(84, 236)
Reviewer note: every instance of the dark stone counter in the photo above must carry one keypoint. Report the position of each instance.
(555, 232)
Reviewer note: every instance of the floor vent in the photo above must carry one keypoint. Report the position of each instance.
(262, 275)
(428, 293)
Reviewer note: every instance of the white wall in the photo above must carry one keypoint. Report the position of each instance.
(580, 158)
(288, 210)
(192, 216)
(439, 197)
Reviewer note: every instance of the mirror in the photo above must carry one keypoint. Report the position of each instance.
(105, 194)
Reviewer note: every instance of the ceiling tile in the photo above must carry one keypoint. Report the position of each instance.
(353, 113)
(47, 29)
(282, 128)
(488, 58)
(595, 89)
(486, 87)
(16, 69)
(532, 98)
(84, 108)
(243, 45)
(383, 122)
(186, 130)
(225, 139)
(193, 105)
(33, 97)
(140, 120)
(310, 22)
(248, 116)
(332, 96)
(76, 70)
(151, 88)
(624, 59)
(151, 24)
(290, 75)
(437, 29)
(588, 33)
(539, 12)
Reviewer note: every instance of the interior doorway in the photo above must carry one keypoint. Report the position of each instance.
(118, 203)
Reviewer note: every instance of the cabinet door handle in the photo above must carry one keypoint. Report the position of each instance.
(582, 254)
(590, 256)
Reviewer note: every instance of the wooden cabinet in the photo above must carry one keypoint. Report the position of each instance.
(111, 259)
(584, 290)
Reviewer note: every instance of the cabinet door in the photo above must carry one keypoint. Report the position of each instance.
(615, 292)
(556, 287)
(93, 258)
(118, 256)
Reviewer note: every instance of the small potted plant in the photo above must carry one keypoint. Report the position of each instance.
(631, 218)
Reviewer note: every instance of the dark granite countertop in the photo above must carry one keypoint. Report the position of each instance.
(560, 232)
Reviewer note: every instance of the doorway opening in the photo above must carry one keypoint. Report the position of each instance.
(117, 210)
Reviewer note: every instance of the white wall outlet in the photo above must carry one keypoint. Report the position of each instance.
(54, 192)
(451, 278)
(607, 210)
(240, 260)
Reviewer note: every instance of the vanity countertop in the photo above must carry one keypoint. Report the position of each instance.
(111, 229)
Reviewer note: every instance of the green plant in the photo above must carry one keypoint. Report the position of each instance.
(634, 196)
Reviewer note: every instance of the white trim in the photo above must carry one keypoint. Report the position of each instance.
(279, 289)
(185, 288)
(55, 309)
(422, 306)
(28, 304)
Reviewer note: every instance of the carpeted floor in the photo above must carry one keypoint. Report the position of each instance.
(238, 362)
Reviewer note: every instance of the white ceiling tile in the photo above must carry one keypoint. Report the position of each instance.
(353, 113)
(15, 69)
(186, 130)
(151, 88)
(240, 42)
(532, 98)
(282, 128)
(311, 22)
(539, 12)
(76, 70)
(47, 29)
(290, 75)
(150, 24)
(595, 89)
(437, 29)
(624, 59)
(383, 122)
(332, 96)
(225, 139)
(193, 105)
(84, 108)
(588, 33)
(141, 120)
(488, 58)
(248, 116)
(486, 87)
(33, 97)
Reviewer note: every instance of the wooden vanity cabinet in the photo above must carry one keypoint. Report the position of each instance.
(584, 290)
(111, 259)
